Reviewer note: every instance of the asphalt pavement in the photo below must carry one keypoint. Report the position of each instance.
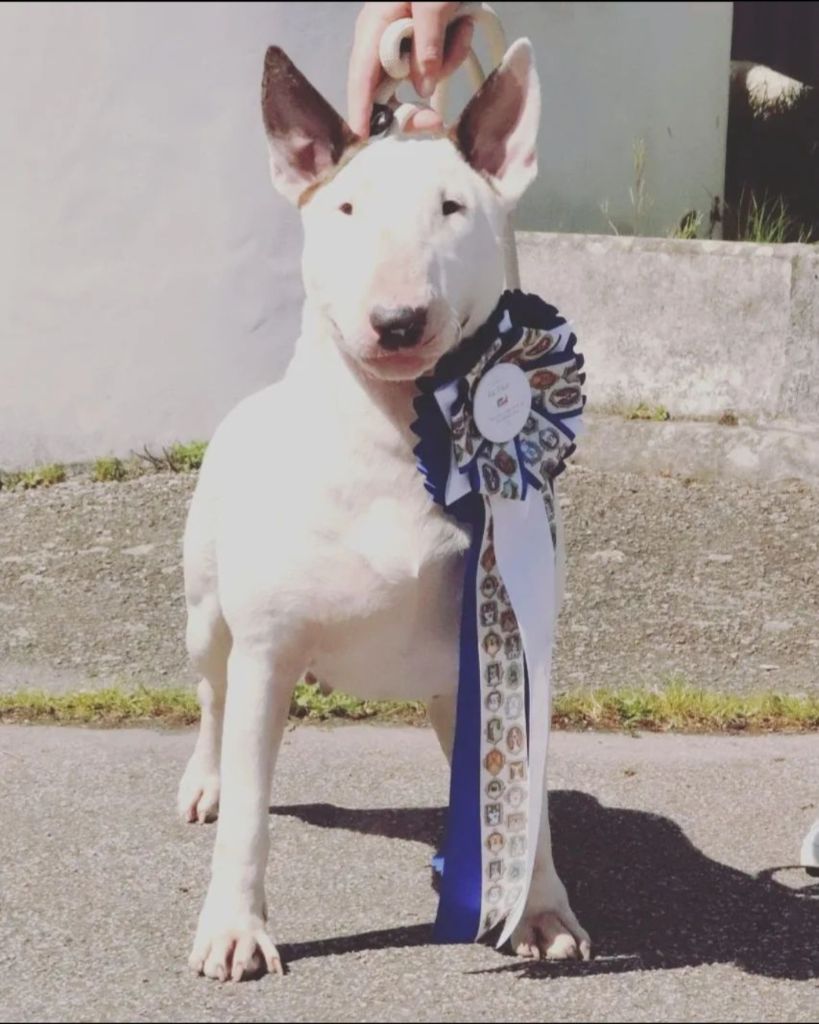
(677, 852)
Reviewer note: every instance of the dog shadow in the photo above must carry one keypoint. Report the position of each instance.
(649, 898)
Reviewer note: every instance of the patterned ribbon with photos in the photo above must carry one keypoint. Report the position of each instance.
(496, 421)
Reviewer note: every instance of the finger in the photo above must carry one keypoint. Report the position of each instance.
(423, 120)
(457, 46)
(430, 22)
(366, 72)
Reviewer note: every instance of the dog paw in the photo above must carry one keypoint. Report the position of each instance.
(234, 950)
(551, 935)
(197, 799)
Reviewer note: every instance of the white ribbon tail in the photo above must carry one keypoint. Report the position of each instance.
(526, 560)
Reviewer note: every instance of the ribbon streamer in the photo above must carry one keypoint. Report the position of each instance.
(519, 380)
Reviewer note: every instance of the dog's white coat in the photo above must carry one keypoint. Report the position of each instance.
(311, 542)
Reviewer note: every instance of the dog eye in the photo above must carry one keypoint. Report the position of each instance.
(346, 208)
(449, 206)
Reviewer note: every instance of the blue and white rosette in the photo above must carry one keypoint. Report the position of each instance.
(496, 421)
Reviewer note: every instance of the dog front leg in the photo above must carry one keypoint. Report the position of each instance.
(549, 928)
(231, 939)
(198, 796)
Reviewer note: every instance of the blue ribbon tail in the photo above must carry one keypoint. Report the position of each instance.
(459, 907)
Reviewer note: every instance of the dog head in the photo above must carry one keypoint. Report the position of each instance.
(403, 250)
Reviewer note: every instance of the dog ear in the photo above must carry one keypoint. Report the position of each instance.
(305, 134)
(497, 132)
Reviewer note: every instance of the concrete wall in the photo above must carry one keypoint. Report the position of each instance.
(149, 277)
(699, 327)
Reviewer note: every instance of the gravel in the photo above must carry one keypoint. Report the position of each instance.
(713, 582)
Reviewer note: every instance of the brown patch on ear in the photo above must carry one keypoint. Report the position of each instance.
(329, 174)
(488, 121)
(299, 119)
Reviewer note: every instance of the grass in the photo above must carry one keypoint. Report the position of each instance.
(771, 176)
(679, 707)
(768, 220)
(674, 707)
(639, 199)
(108, 469)
(112, 706)
(311, 704)
(179, 458)
(773, 151)
(39, 476)
(182, 458)
(689, 226)
(658, 413)
(178, 706)
(640, 203)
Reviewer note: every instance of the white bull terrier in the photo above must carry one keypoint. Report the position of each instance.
(333, 558)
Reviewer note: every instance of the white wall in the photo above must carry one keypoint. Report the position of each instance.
(149, 277)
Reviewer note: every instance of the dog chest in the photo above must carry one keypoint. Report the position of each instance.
(396, 635)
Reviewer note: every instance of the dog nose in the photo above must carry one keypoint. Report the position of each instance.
(400, 327)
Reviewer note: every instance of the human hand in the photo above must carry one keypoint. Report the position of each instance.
(436, 53)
